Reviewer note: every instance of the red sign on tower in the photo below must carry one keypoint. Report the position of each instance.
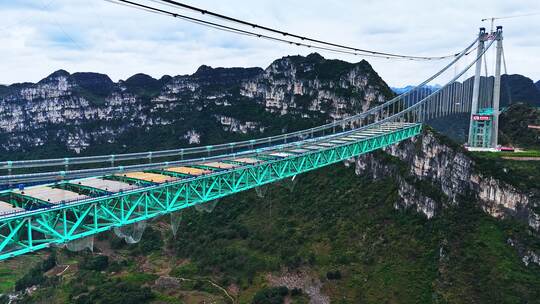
(481, 117)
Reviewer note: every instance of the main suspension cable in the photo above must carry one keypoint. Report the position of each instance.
(323, 45)
(303, 38)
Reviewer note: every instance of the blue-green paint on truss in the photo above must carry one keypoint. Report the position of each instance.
(30, 231)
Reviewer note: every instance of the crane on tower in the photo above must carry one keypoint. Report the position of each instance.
(492, 19)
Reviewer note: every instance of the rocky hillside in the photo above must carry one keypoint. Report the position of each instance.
(449, 175)
(82, 111)
(422, 222)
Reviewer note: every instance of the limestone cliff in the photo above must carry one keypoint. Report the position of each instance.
(452, 176)
(82, 110)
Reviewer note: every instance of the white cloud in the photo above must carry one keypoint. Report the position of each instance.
(40, 36)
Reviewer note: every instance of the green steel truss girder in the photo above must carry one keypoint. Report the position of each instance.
(38, 229)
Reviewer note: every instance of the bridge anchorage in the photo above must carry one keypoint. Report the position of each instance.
(68, 199)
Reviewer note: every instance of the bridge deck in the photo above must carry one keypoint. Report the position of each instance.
(50, 195)
(247, 160)
(220, 165)
(55, 195)
(104, 184)
(313, 147)
(7, 207)
(281, 154)
(298, 151)
(148, 177)
(188, 171)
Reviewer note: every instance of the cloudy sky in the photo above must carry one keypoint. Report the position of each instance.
(38, 37)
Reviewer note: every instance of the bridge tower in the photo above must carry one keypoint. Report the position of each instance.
(484, 121)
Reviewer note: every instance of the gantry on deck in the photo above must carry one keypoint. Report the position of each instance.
(36, 217)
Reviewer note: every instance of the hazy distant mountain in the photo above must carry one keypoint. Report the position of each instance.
(538, 84)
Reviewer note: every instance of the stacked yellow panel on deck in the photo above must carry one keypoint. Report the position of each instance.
(188, 171)
(149, 177)
(220, 165)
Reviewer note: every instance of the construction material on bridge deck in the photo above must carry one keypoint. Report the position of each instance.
(298, 151)
(247, 160)
(325, 144)
(313, 147)
(104, 184)
(388, 128)
(349, 138)
(371, 132)
(358, 136)
(51, 195)
(7, 208)
(281, 154)
(188, 171)
(148, 177)
(75, 219)
(220, 165)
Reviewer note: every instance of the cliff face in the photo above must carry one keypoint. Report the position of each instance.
(304, 85)
(82, 109)
(450, 176)
(33, 113)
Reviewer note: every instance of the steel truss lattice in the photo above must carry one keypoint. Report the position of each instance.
(38, 229)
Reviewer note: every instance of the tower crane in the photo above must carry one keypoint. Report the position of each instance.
(492, 19)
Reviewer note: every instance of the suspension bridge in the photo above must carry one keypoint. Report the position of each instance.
(69, 199)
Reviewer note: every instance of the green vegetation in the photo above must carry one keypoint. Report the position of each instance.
(97, 263)
(348, 225)
(13, 270)
(522, 174)
(117, 292)
(336, 228)
(4, 90)
(275, 295)
(143, 85)
(514, 126)
(36, 275)
(498, 155)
